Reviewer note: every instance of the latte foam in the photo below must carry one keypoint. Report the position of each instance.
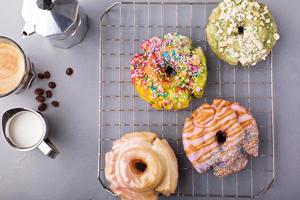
(12, 66)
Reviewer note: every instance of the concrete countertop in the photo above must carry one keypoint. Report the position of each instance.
(74, 125)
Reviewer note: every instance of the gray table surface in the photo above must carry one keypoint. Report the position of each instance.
(74, 125)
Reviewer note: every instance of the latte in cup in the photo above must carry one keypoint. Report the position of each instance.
(12, 66)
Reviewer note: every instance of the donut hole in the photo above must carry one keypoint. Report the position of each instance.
(170, 71)
(138, 166)
(221, 137)
(241, 30)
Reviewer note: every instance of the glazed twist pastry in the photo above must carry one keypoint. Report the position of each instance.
(220, 135)
(140, 166)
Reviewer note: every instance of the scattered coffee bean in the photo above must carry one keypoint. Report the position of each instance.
(69, 71)
(48, 94)
(39, 91)
(40, 99)
(51, 85)
(47, 74)
(42, 107)
(41, 76)
(55, 103)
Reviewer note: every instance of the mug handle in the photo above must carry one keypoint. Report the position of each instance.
(48, 148)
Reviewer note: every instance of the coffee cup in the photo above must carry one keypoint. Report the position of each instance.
(25, 129)
(16, 70)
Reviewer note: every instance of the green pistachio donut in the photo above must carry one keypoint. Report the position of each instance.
(241, 31)
(169, 71)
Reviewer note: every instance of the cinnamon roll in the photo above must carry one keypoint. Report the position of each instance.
(140, 166)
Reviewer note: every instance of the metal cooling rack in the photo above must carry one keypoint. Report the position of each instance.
(123, 27)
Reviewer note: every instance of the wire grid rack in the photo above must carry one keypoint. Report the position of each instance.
(123, 27)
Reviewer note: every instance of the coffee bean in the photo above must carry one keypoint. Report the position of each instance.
(55, 103)
(41, 76)
(42, 107)
(69, 71)
(39, 91)
(40, 99)
(47, 74)
(51, 85)
(48, 94)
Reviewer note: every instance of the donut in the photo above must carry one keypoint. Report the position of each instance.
(169, 71)
(241, 31)
(220, 135)
(140, 166)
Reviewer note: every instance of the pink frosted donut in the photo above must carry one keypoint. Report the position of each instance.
(220, 135)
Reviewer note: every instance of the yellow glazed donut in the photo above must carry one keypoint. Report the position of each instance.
(140, 166)
(169, 71)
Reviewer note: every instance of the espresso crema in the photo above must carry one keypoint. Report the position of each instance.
(12, 66)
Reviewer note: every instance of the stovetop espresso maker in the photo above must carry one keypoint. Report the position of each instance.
(63, 22)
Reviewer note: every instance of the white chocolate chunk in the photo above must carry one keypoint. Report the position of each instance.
(249, 17)
(276, 36)
(256, 5)
(223, 44)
